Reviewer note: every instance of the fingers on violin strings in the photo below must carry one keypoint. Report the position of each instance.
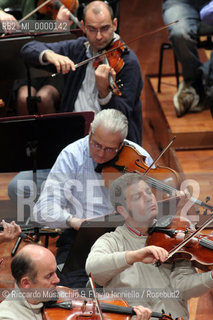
(113, 73)
(142, 313)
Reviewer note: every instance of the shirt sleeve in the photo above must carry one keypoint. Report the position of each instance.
(52, 208)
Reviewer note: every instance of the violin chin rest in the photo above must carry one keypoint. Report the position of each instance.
(163, 223)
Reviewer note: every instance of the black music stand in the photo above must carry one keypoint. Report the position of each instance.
(34, 142)
(89, 232)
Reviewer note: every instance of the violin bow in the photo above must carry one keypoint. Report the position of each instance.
(92, 283)
(184, 242)
(35, 10)
(121, 45)
(192, 199)
(160, 155)
(58, 5)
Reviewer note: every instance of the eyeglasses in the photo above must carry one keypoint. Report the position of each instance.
(102, 30)
(99, 147)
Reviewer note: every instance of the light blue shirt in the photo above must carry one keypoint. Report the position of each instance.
(73, 187)
(206, 13)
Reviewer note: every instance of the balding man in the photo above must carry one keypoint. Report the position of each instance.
(33, 268)
(86, 88)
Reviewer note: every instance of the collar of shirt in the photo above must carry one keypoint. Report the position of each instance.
(133, 230)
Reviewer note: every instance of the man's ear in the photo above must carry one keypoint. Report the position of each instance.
(115, 24)
(123, 212)
(25, 282)
(83, 25)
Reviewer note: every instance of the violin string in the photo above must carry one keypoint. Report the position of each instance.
(159, 184)
(184, 242)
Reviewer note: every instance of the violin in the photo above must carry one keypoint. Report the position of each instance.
(160, 178)
(113, 59)
(52, 7)
(184, 243)
(130, 160)
(78, 307)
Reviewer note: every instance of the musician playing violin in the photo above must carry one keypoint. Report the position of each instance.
(87, 88)
(115, 258)
(34, 270)
(74, 190)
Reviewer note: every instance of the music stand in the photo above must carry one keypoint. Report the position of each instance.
(89, 232)
(34, 142)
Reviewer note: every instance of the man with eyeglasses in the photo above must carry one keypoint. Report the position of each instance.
(87, 88)
(74, 190)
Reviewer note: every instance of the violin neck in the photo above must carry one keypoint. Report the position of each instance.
(107, 307)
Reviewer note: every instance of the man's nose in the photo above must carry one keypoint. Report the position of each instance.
(101, 152)
(99, 34)
(55, 279)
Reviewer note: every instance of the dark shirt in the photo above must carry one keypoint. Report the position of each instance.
(130, 77)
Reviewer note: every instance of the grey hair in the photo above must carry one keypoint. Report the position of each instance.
(112, 120)
(97, 8)
(119, 186)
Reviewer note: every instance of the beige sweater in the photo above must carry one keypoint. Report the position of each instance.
(14, 308)
(167, 287)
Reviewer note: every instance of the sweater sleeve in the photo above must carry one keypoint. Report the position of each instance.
(104, 261)
(189, 282)
(31, 51)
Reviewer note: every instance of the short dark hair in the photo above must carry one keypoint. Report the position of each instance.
(119, 186)
(23, 265)
(98, 9)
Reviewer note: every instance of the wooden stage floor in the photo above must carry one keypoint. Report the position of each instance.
(191, 155)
